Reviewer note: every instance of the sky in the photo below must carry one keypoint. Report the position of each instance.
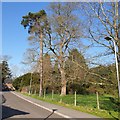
(1, 28)
(14, 36)
(59, 0)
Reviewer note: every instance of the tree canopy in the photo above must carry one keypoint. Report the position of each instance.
(5, 72)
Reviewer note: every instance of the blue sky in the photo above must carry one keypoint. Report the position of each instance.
(14, 36)
(0, 28)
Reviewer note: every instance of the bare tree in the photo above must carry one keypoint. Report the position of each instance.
(103, 28)
(65, 30)
(102, 21)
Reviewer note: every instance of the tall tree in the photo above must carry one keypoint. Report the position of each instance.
(37, 24)
(65, 29)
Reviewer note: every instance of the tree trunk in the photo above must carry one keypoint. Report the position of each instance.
(117, 37)
(63, 81)
(119, 70)
(41, 65)
(62, 70)
(119, 77)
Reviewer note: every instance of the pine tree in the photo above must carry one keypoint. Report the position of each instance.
(5, 70)
(37, 26)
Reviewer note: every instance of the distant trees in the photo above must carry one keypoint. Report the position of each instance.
(107, 85)
(47, 71)
(5, 72)
(75, 70)
(79, 76)
(24, 81)
(77, 79)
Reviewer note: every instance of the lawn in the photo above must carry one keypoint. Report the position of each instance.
(85, 103)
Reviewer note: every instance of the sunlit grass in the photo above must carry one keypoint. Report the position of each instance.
(85, 103)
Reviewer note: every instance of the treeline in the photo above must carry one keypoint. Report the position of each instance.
(79, 76)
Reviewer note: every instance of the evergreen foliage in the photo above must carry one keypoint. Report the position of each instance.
(5, 72)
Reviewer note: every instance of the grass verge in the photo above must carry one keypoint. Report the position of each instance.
(85, 103)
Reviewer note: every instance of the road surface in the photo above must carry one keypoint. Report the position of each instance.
(15, 107)
(21, 106)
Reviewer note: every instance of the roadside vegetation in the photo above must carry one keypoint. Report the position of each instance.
(85, 103)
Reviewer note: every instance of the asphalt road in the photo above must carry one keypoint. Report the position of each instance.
(15, 107)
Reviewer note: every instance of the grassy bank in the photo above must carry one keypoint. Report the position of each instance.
(85, 103)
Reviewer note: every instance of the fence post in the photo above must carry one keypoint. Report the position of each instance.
(35, 92)
(98, 106)
(44, 93)
(75, 99)
(30, 85)
(52, 94)
(60, 100)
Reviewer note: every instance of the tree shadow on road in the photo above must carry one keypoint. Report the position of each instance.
(8, 112)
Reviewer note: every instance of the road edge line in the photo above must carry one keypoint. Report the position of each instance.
(65, 116)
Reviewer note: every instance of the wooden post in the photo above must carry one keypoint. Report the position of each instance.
(30, 85)
(61, 100)
(31, 91)
(52, 94)
(97, 101)
(44, 93)
(75, 99)
(35, 92)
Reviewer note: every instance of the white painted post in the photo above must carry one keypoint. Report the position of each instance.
(30, 85)
(35, 92)
(44, 93)
(75, 99)
(98, 106)
(61, 100)
(52, 94)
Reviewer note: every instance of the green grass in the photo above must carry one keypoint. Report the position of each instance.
(85, 103)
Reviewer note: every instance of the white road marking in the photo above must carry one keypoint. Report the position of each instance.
(65, 116)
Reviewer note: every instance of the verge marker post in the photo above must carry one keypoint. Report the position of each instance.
(98, 106)
(44, 93)
(52, 94)
(75, 99)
